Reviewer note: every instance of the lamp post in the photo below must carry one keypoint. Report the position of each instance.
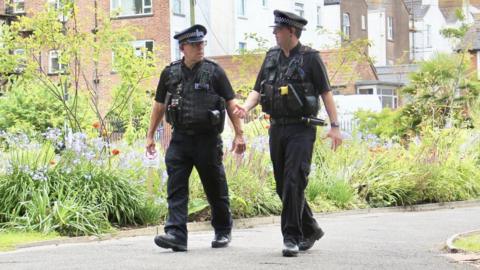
(192, 12)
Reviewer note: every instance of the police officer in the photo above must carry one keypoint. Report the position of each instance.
(194, 93)
(288, 87)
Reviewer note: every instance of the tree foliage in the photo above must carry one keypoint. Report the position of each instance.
(82, 57)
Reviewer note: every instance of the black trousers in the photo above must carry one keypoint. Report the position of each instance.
(205, 152)
(291, 149)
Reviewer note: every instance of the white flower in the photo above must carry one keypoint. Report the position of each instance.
(25, 169)
(39, 175)
(98, 144)
(164, 177)
(52, 134)
(89, 155)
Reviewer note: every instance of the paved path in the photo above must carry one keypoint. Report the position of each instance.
(400, 240)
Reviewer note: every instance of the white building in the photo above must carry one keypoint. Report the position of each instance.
(228, 21)
(429, 17)
(377, 32)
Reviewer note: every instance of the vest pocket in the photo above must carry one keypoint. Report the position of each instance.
(294, 100)
(196, 106)
(266, 98)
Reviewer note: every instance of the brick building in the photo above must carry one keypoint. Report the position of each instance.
(343, 74)
(389, 32)
(150, 17)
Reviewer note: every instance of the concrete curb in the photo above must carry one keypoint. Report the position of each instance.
(250, 222)
(452, 248)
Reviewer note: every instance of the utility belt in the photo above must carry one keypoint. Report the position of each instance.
(191, 132)
(286, 121)
(313, 121)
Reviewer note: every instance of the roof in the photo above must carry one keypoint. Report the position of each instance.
(449, 8)
(342, 73)
(384, 83)
(475, 3)
(385, 4)
(416, 8)
(472, 38)
(396, 74)
(331, 2)
(375, 4)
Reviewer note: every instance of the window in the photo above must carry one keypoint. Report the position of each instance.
(21, 60)
(177, 7)
(429, 35)
(365, 91)
(390, 28)
(346, 25)
(2, 22)
(15, 6)
(388, 97)
(299, 9)
(54, 65)
(58, 5)
(242, 46)
(142, 47)
(131, 7)
(241, 8)
(264, 3)
(478, 65)
(319, 16)
(178, 54)
(364, 23)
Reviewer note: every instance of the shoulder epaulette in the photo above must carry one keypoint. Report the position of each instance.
(175, 63)
(273, 49)
(306, 50)
(211, 61)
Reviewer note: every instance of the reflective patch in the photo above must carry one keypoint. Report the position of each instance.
(201, 86)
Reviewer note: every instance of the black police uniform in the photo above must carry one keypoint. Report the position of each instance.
(289, 89)
(193, 145)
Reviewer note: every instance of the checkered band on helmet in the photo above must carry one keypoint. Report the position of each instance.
(283, 20)
(190, 35)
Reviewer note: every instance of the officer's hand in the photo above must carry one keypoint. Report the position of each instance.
(238, 145)
(336, 137)
(240, 111)
(150, 146)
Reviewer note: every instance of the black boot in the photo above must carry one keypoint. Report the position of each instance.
(308, 242)
(221, 240)
(170, 241)
(290, 249)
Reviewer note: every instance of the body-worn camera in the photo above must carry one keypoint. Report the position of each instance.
(215, 117)
(174, 111)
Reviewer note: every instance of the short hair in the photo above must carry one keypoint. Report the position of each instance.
(298, 32)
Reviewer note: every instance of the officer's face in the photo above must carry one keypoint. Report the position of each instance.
(283, 35)
(193, 51)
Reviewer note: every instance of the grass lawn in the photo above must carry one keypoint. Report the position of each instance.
(469, 243)
(9, 239)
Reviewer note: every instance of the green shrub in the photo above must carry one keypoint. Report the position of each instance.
(75, 195)
(386, 124)
(29, 108)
